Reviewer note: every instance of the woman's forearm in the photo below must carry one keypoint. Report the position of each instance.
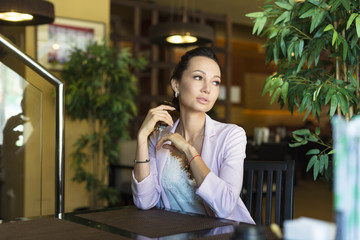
(141, 165)
(198, 167)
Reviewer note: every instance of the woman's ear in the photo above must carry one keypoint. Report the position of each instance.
(174, 85)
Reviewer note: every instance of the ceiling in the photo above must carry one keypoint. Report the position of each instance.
(235, 8)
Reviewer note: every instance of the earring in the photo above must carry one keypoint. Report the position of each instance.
(176, 94)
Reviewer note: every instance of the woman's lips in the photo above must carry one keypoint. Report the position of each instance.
(203, 100)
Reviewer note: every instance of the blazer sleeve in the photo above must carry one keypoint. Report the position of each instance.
(221, 190)
(146, 194)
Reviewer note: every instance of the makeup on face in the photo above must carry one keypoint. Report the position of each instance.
(199, 86)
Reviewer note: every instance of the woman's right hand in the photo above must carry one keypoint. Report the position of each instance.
(157, 114)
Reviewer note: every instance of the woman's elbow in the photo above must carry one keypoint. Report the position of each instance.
(227, 208)
(225, 212)
(144, 203)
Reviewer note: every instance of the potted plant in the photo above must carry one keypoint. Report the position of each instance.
(314, 45)
(100, 86)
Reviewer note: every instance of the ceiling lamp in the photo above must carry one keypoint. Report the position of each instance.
(26, 12)
(181, 33)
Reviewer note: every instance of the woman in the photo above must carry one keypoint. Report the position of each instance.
(195, 164)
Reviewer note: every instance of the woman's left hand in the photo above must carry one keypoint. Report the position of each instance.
(178, 143)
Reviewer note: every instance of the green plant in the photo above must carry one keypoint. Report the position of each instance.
(100, 88)
(314, 45)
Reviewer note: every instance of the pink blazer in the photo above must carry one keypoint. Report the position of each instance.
(223, 152)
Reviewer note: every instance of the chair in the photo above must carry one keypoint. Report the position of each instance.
(258, 176)
(273, 151)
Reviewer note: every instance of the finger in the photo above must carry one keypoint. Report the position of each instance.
(172, 148)
(168, 146)
(162, 140)
(163, 116)
(155, 115)
(165, 107)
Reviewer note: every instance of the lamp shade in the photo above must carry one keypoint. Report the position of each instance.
(35, 11)
(198, 34)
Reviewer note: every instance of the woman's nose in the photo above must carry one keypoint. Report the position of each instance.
(206, 87)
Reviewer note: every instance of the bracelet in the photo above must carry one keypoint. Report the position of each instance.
(193, 159)
(146, 161)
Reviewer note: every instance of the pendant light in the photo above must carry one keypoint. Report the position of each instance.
(26, 12)
(182, 33)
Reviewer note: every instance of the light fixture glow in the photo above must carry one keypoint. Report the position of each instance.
(181, 39)
(181, 34)
(15, 16)
(26, 12)
(56, 46)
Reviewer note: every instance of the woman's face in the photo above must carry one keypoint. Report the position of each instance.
(199, 85)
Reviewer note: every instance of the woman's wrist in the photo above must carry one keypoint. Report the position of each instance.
(190, 153)
(189, 162)
(142, 138)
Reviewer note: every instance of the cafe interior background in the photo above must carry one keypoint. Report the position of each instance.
(126, 24)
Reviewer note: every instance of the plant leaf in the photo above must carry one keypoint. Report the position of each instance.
(357, 24)
(322, 162)
(275, 95)
(313, 138)
(346, 4)
(284, 5)
(302, 132)
(256, 25)
(301, 47)
(267, 83)
(273, 33)
(313, 152)
(284, 90)
(351, 19)
(276, 53)
(328, 27)
(313, 159)
(326, 161)
(333, 106)
(316, 168)
(255, 14)
(317, 19)
(262, 23)
(283, 16)
(297, 144)
(297, 138)
(301, 63)
(309, 13)
(334, 37)
(344, 106)
(329, 94)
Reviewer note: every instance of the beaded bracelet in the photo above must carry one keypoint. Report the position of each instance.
(193, 159)
(146, 161)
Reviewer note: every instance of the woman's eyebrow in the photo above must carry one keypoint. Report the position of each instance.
(205, 73)
(200, 71)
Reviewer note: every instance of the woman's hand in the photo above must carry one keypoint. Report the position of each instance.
(178, 144)
(157, 114)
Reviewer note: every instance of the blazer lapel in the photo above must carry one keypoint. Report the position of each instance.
(209, 139)
(161, 155)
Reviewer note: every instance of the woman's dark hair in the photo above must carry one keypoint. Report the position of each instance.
(184, 63)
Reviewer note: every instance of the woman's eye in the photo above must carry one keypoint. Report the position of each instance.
(197, 77)
(216, 83)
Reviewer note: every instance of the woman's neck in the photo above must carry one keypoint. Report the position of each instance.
(192, 126)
